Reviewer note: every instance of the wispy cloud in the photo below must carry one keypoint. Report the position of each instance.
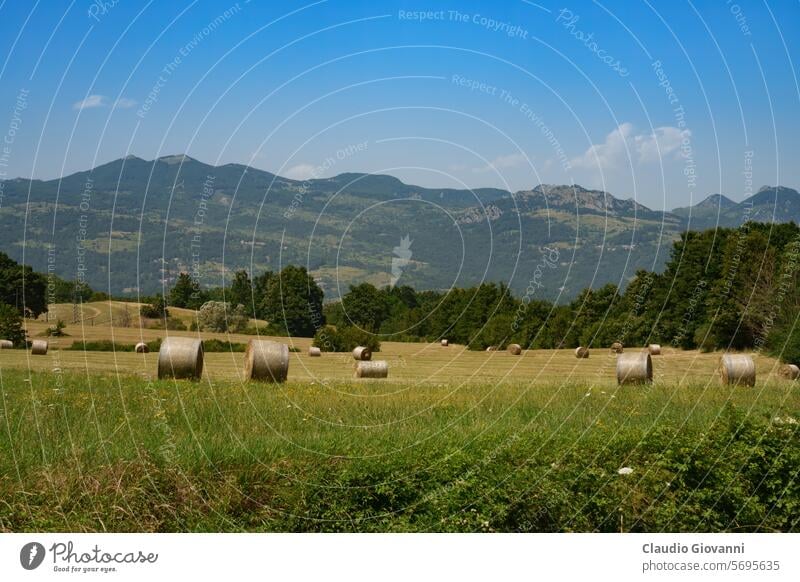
(125, 103)
(625, 141)
(91, 102)
(97, 101)
(502, 163)
(301, 172)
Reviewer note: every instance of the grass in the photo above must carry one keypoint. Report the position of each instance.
(453, 441)
(120, 452)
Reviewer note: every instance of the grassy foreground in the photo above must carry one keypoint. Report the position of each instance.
(89, 452)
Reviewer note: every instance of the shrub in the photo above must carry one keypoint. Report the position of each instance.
(345, 339)
(215, 345)
(56, 330)
(785, 344)
(156, 310)
(111, 346)
(221, 317)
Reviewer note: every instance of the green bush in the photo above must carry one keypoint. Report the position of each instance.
(56, 330)
(345, 339)
(215, 345)
(221, 317)
(111, 346)
(209, 345)
(784, 343)
(155, 310)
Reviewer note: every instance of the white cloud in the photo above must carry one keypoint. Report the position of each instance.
(95, 101)
(502, 163)
(624, 141)
(125, 103)
(301, 172)
(91, 102)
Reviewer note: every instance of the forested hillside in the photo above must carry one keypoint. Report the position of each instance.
(132, 226)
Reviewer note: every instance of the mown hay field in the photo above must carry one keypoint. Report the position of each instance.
(424, 364)
(453, 441)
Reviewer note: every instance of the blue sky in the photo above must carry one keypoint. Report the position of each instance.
(666, 102)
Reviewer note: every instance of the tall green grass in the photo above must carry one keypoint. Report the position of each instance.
(108, 453)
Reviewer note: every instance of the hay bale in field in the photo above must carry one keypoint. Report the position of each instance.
(376, 369)
(654, 349)
(314, 352)
(737, 369)
(514, 349)
(39, 347)
(180, 357)
(491, 349)
(790, 371)
(142, 348)
(616, 348)
(445, 343)
(6, 344)
(266, 360)
(634, 368)
(362, 354)
(581, 352)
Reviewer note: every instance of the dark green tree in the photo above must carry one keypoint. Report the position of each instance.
(11, 325)
(261, 285)
(181, 293)
(241, 290)
(22, 288)
(292, 303)
(365, 306)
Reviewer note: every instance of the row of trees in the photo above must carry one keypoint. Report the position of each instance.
(721, 289)
(291, 301)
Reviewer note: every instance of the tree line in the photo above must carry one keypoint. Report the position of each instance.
(721, 289)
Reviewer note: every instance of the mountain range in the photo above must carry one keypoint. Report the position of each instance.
(131, 226)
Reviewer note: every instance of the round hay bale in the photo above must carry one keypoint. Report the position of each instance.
(6, 344)
(581, 352)
(634, 368)
(737, 369)
(266, 360)
(445, 343)
(654, 349)
(314, 352)
(39, 347)
(616, 348)
(376, 369)
(790, 371)
(491, 349)
(514, 349)
(362, 354)
(180, 357)
(142, 348)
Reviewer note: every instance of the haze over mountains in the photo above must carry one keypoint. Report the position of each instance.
(132, 225)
